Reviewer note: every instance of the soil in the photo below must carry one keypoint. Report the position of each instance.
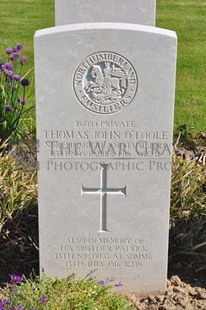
(178, 296)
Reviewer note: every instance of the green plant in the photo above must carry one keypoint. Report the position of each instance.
(188, 189)
(17, 186)
(189, 138)
(187, 250)
(13, 93)
(70, 294)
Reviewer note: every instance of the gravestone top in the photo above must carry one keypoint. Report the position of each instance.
(106, 26)
(104, 126)
(86, 11)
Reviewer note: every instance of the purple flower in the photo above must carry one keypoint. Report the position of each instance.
(6, 72)
(102, 282)
(23, 101)
(10, 73)
(19, 46)
(32, 308)
(3, 67)
(25, 82)
(15, 49)
(16, 77)
(119, 284)
(23, 60)
(9, 51)
(43, 299)
(9, 65)
(8, 108)
(20, 308)
(14, 277)
(16, 55)
(12, 58)
(13, 308)
(6, 301)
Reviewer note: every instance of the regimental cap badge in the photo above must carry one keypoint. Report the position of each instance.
(105, 83)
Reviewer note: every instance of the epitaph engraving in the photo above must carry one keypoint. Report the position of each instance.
(105, 82)
(103, 190)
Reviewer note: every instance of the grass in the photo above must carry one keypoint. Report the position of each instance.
(187, 18)
(20, 19)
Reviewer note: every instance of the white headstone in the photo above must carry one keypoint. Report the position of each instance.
(118, 11)
(105, 99)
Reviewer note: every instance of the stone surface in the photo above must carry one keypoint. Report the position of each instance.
(105, 99)
(81, 11)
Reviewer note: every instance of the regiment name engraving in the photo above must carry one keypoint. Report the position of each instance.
(105, 82)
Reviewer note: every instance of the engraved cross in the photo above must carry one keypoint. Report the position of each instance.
(103, 191)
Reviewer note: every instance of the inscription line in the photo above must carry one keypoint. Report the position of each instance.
(113, 158)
